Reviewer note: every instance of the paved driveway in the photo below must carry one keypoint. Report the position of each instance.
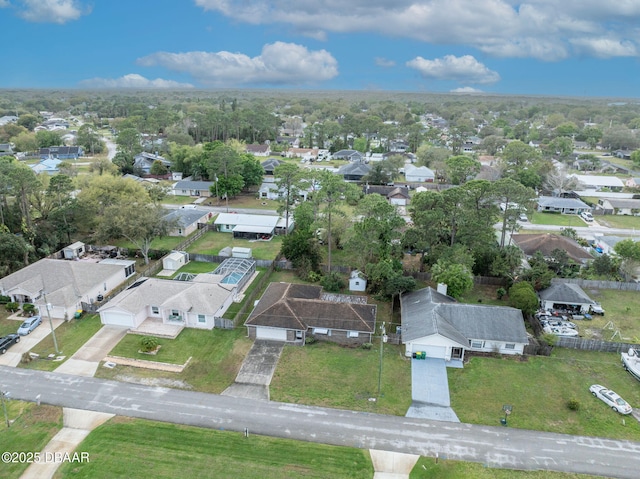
(430, 391)
(13, 356)
(256, 371)
(85, 361)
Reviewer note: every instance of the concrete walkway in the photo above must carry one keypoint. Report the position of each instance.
(392, 465)
(256, 371)
(77, 424)
(86, 359)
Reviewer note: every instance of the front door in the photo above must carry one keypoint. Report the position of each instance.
(456, 353)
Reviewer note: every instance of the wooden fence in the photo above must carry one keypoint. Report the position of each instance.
(594, 345)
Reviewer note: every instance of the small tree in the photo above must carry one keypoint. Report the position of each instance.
(148, 344)
(523, 297)
(457, 277)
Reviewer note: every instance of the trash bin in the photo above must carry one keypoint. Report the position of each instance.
(503, 421)
(77, 314)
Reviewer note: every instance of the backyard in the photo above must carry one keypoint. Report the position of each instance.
(212, 242)
(621, 321)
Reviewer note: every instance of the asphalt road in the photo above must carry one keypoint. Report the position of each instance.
(493, 446)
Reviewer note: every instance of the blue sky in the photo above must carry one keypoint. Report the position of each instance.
(538, 47)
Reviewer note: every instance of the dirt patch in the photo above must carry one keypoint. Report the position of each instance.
(162, 382)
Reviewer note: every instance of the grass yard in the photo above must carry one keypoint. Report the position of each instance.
(196, 267)
(619, 221)
(325, 374)
(71, 335)
(160, 450)
(249, 200)
(217, 356)
(212, 242)
(164, 243)
(32, 428)
(428, 468)
(7, 326)
(539, 389)
(538, 218)
(178, 200)
(622, 313)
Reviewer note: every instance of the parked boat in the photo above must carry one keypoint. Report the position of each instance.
(561, 331)
(631, 362)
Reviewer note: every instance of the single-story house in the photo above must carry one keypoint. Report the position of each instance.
(66, 284)
(354, 171)
(566, 206)
(258, 150)
(617, 206)
(632, 183)
(396, 195)
(186, 220)
(269, 191)
(270, 165)
(436, 324)
(307, 154)
(419, 174)
(251, 226)
(6, 149)
(546, 243)
(48, 166)
(144, 161)
(595, 182)
(565, 296)
(349, 155)
(193, 304)
(623, 154)
(289, 312)
(175, 260)
(188, 187)
(61, 152)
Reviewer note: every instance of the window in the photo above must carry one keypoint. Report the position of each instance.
(201, 318)
(476, 344)
(298, 334)
(155, 310)
(357, 283)
(179, 231)
(510, 346)
(175, 312)
(352, 334)
(320, 331)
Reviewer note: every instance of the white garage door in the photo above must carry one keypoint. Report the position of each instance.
(271, 333)
(117, 319)
(432, 351)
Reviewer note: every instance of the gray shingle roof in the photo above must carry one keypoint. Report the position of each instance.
(565, 293)
(558, 202)
(426, 312)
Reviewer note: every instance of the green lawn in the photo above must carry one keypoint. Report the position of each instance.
(71, 335)
(178, 200)
(619, 221)
(622, 309)
(538, 218)
(217, 356)
(7, 326)
(325, 374)
(539, 388)
(249, 200)
(212, 242)
(32, 428)
(137, 448)
(196, 267)
(444, 469)
(164, 243)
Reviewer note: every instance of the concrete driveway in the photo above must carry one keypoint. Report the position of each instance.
(256, 371)
(13, 355)
(430, 391)
(85, 361)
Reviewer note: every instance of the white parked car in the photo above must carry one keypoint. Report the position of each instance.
(588, 217)
(611, 399)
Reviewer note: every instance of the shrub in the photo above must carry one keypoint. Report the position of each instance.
(5, 299)
(366, 345)
(12, 307)
(314, 276)
(333, 282)
(500, 292)
(29, 309)
(573, 404)
(310, 340)
(148, 344)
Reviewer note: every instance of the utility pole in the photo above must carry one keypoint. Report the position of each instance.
(53, 333)
(382, 334)
(3, 395)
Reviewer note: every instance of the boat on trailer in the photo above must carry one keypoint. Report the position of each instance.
(631, 362)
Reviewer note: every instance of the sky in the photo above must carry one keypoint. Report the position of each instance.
(539, 47)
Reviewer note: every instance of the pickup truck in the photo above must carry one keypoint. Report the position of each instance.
(597, 309)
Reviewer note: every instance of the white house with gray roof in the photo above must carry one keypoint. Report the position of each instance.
(565, 296)
(251, 226)
(443, 328)
(191, 304)
(66, 284)
(188, 187)
(566, 206)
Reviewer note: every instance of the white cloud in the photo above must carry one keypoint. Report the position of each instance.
(132, 80)
(466, 89)
(464, 69)
(279, 63)
(543, 29)
(383, 62)
(605, 47)
(51, 11)
(4, 3)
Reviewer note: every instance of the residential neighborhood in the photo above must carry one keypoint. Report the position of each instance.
(379, 259)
